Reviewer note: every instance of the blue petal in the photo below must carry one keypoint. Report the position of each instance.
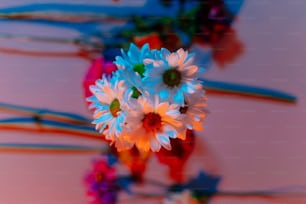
(179, 97)
(144, 51)
(164, 94)
(103, 118)
(134, 52)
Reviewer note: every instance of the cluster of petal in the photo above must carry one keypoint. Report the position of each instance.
(101, 183)
(156, 96)
(131, 65)
(195, 110)
(105, 92)
(133, 56)
(169, 124)
(177, 64)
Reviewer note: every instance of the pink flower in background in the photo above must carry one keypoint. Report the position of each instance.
(101, 183)
(97, 69)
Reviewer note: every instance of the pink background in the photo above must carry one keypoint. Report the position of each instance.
(253, 144)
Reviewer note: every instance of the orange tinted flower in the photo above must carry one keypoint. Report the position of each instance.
(178, 156)
(135, 160)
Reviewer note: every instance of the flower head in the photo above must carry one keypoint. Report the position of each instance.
(135, 161)
(173, 75)
(131, 66)
(101, 183)
(194, 110)
(153, 96)
(111, 105)
(133, 59)
(152, 123)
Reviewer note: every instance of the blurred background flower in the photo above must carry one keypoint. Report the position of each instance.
(101, 183)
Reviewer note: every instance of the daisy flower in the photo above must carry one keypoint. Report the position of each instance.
(131, 67)
(110, 103)
(173, 75)
(194, 111)
(132, 60)
(152, 97)
(152, 123)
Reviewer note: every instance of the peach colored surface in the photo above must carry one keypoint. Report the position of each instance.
(252, 144)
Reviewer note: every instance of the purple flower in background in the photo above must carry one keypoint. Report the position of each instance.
(101, 183)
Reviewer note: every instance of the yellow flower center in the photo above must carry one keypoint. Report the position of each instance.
(183, 109)
(140, 69)
(172, 77)
(152, 122)
(135, 93)
(114, 107)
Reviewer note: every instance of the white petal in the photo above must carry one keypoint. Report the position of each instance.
(162, 108)
(190, 70)
(182, 56)
(104, 118)
(164, 141)
(170, 131)
(189, 60)
(147, 61)
(173, 60)
(155, 145)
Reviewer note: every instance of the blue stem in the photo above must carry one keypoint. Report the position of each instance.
(247, 90)
(43, 112)
(44, 146)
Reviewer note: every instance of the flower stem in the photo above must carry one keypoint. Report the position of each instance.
(248, 90)
(49, 148)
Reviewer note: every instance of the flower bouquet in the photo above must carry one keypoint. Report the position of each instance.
(152, 97)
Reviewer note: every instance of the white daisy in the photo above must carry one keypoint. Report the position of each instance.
(193, 111)
(173, 75)
(152, 123)
(110, 103)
